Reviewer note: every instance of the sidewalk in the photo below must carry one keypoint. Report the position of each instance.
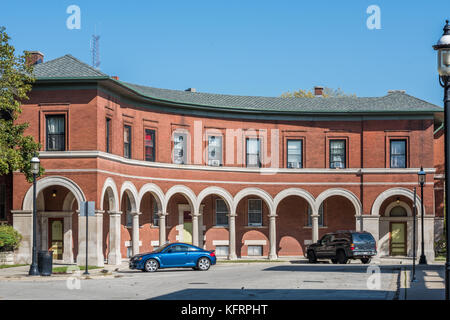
(430, 283)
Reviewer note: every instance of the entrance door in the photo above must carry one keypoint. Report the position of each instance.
(55, 237)
(187, 227)
(398, 239)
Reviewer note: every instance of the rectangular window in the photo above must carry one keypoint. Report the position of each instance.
(221, 251)
(254, 251)
(155, 214)
(179, 148)
(127, 142)
(309, 222)
(294, 154)
(337, 154)
(129, 216)
(253, 156)
(221, 213)
(215, 150)
(56, 137)
(2, 202)
(149, 145)
(398, 153)
(108, 135)
(255, 212)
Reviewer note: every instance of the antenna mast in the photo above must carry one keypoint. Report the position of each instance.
(95, 51)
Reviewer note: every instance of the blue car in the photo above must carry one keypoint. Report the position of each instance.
(174, 255)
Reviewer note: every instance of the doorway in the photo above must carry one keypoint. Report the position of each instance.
(56, 237)
(397, 238)
(187, 227)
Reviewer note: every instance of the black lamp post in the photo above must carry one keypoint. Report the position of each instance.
(422, 176)
(35, 170)
(443, 49)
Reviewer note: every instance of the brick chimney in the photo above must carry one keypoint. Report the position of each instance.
(318, 91)
(34, 57)
(115, 77)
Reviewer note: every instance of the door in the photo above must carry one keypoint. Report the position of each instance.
(398, 238)
(56, 237)
(187, 227)
(175, 256)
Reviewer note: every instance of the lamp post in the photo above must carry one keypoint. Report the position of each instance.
(443, 49)
(35, 170)
(422, 176)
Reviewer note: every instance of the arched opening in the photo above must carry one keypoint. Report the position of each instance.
(252, 226)
(215, 224)
(128, 207)
(396, 226)
(180, 208)
(294, 226)
(338, 214)
(150, 207)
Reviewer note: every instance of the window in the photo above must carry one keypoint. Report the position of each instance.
(294, 154)
(129, 252)
(149, 145)
(221, 251)
(337, 154)
(56, 137)
(255, 212)
(309, 222)
(2, 202)
(178, 248)
(253, 158)
(398, 153)
(127, 142)
(214, 150)
(108, 135)
(179, 148)
(254, 250)
(155, 214)
(129, 216)
(398, 211)
(221, 213)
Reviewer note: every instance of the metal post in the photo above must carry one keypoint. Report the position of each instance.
(447, 183)
(87, 236)
(33, 268)
(423, 258)
(413, 277)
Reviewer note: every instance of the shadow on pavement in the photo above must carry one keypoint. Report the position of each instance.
(273, 294)
(333, 268)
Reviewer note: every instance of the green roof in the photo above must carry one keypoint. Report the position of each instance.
(70, 68)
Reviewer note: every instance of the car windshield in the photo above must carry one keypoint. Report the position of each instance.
(363, 237)
(161, 248)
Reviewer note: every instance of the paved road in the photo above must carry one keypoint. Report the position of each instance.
(224, 281)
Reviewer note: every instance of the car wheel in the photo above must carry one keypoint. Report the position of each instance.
(365, 260)
(203, 264)
(341, 258)
(334, 261)
(312, 257)
(151, 265)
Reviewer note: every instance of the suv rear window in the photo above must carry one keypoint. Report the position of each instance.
(362, 237)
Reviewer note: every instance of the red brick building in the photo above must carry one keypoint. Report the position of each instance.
(246, 176)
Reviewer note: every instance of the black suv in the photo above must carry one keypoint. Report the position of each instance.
(341, 246)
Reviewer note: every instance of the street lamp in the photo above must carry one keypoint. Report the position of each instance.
(443, 49)
(34, 170)
(422, 176)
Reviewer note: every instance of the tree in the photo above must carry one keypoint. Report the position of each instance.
(16, 149)
(327, 93)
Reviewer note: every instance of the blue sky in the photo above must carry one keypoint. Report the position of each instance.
(245, 47)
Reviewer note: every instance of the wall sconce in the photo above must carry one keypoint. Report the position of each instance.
(54, 194)
(398, 200)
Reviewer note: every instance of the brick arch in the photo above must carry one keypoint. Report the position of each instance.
(339, 192)
(110, 187)
(395, 192)
(254, 192)
(294, 192)
(222, 193)
(156, 192)
(132, 193)
(186, 192)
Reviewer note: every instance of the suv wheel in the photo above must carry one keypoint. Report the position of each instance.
(365, 260)
(311, 256)
(341, 257)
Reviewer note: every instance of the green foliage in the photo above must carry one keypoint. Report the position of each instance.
(327, 93)
(16, 150)
(9, 238)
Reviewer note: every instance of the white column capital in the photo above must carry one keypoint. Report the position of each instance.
(135, 213)
(114, 213)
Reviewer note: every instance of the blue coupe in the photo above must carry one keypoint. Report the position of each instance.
(174, 255)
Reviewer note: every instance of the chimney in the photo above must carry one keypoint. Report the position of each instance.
(191, 90)
(34, 57)
(115, 78)
(318, 91)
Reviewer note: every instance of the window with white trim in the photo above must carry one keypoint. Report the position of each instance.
(254, 251)
(56, 133)
(398, 153)
(222, 251)
(255, 212)
(179, 148)
(215, 150)
(294, 153)
(221, 213)
(337, 154)
(253, 154)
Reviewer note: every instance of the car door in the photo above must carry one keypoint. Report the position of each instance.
(321, 249)
(175, 256)
(330, 247)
